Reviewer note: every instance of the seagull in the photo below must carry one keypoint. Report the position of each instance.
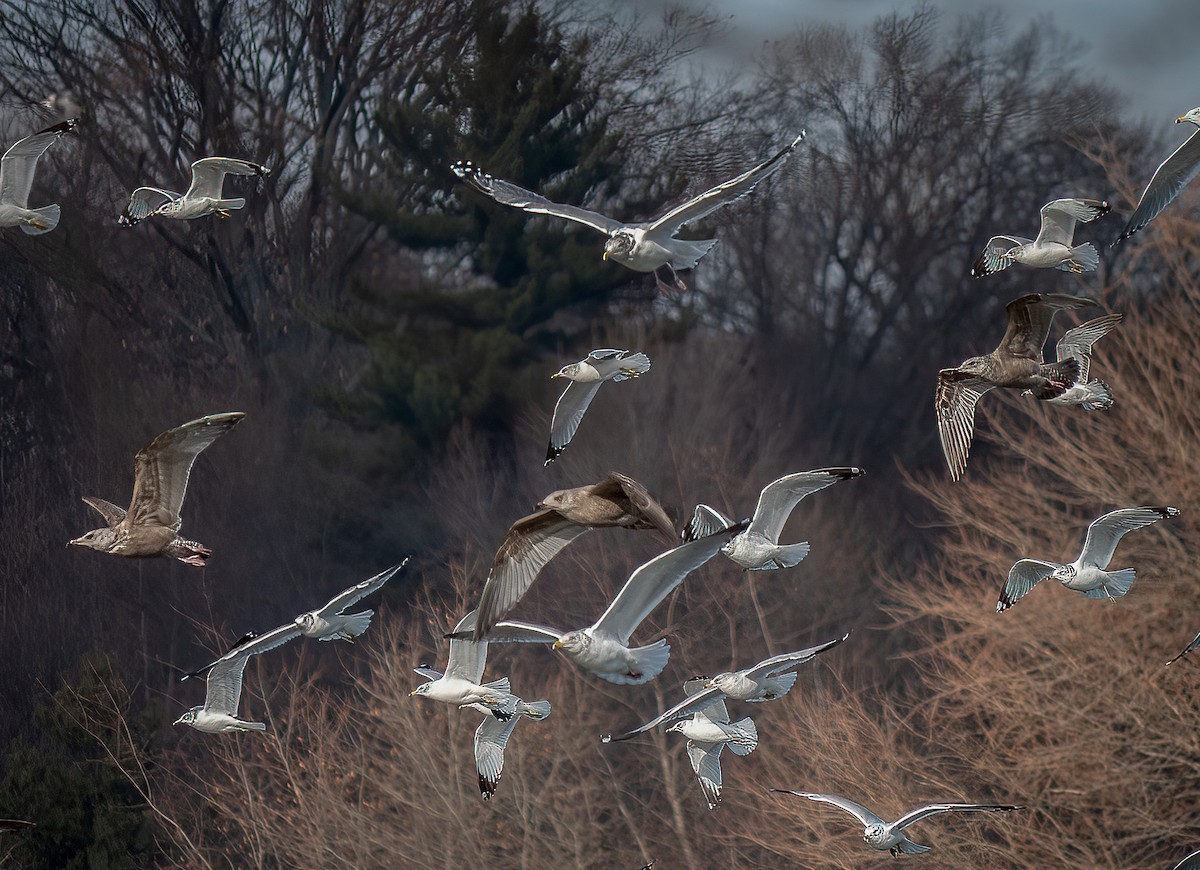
(769, 680)
(643, 247)
(327, 623)
(586, 376)
(1015, 364)
(219, 713)
(562, 516)
(459, 686)
(16, 178)
(603, 647)
(1093, 395)
(1191, 646)
(708, 731)
(882, 835)
(492, 736)
(1088, 573)
(161, 471)
(1172, 176)
(758, 548)
(1053, 246)
(204, 197)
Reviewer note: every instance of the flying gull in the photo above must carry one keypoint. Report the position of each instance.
(1172, 176)
(1087, 574)
(768, 680)
(17, 167)
(562, 516)
(204, 197)
(643, 247)
(491, 738)
(708, 732)
(151, 525)
(1015, 364)
(758, 548)
(585, 378)
(1053, 248)
(889, 836)
(603, 647)
(326, 623)
(218, 715)
(1093, 395)
(460, 685)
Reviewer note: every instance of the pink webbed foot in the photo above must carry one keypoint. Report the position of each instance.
(194, 559)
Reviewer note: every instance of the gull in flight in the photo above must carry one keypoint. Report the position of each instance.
(562, 516)
(204, 197)
(218, 715)
(1053, 248)
(708, 732)
(326, 623)
(17, 167)
(460, 685)
(1015, 364)
(1093, 395)
(758, 548)
(1172, 176)
(768, 680)
(161, 470)
(889, 836)
(643, 247)
(1087, 574)
(603, 647)
(585, 378)
(491, 737)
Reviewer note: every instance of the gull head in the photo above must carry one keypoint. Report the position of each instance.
(99, 539)
(873, 834)
(1193, 116)
(422, 689)
(560, 499)
(568, 372)
(720, 681)
(619, 246)
(976, 365)
(305, 621)
(187, 718)
(1063, 573)
(573, 642)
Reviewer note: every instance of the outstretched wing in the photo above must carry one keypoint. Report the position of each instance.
(694, 702)
(864, 815)
(644, 505)
(954, 402)
(1168, 181)
(1192, 861)
(164, 465)
(1029, 319)
(491, 737)
(531, 542)
(995, 255)
(1059, 218)
(467, 657)
(514, 631)
(1104, 534)
(778, 498)
(789, 661)
(705, 521)
(111, 513)
(1077, 342)
(1022, 577)
(144, 202)
(225, 685)
(568, 413)
(723, 194)
(507, 193)
(344, 599)
(208, 175)
(914, 816)
(652, 582)
(706, 762)
(19, 162)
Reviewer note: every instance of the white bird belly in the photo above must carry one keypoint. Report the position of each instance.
(452, 690)
(1043, 256)
(750, 550)
(12, 215)
(1086, 579)
(703, 732)
(604, 655)
(740, 688)
(646, 256)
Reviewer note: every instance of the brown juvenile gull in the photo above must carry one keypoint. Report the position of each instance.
(1054, 248)
(889, 836)
(17, 167)
(585, 378)
(161, 471)
(1016, 364)
(562, 516)
(204, 197)
(643, 247)
(1172, 176)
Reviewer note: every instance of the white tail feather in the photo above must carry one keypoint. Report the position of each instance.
(47, 215)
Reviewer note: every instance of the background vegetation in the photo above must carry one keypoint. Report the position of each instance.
(389, 334)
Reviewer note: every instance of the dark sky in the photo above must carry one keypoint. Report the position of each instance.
(1149, 49)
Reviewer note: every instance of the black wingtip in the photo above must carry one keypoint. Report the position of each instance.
(487, 788)
(553, 453)
(1167, 512)
(61, 127)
